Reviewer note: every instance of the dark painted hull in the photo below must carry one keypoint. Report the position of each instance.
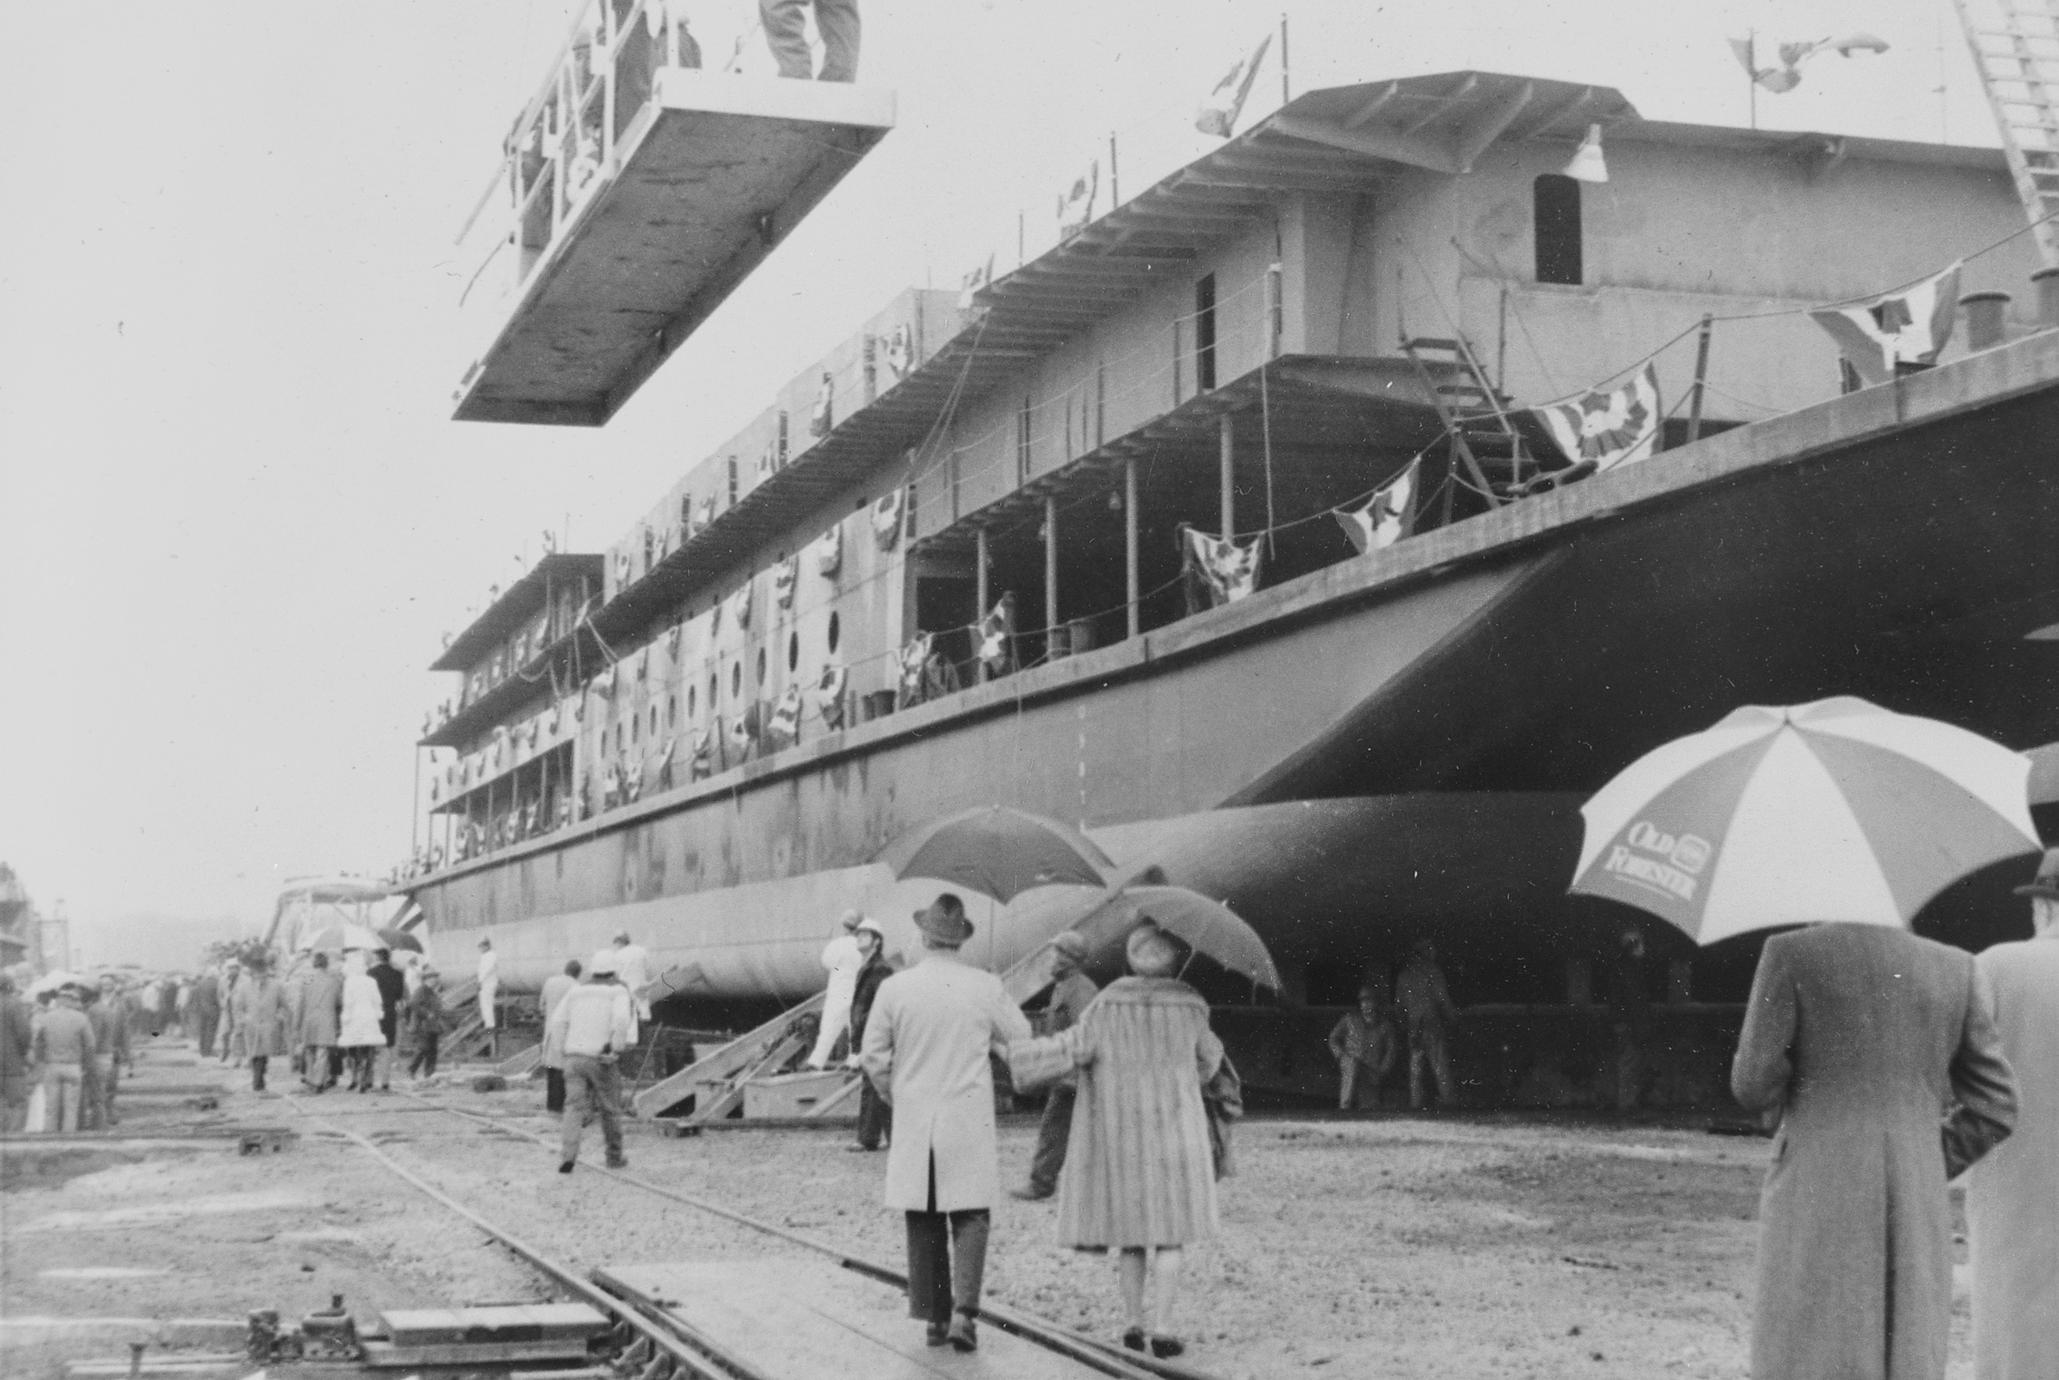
(1397, 743)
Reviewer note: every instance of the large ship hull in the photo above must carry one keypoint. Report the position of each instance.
(1396, 744)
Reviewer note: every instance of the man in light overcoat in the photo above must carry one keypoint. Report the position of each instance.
(927, 1043)
(1877, 1052)
(2012, 1196)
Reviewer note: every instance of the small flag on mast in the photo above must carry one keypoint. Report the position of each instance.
(1076, 205)
(1608, 427)
(1218, 113)
(1906, 327)
(1387, 517)
(996, 634)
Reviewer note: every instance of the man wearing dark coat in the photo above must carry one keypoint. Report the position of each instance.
(204, 1009)
(393, 990)
(17, 1054)
(1877, 1053)
(1071, 994)
(875, 1118)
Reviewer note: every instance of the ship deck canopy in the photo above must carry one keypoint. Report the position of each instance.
(634, 196)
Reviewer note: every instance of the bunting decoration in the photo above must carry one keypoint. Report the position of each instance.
(632, 782)
(886, 519)
(672, 636)
(783, 577)
(1230, 571)
(786, 716)
(828, 550)
(1606, 428)
(914, 655)
(744, 731)
(665, 763)
(975, 280)
(1076, 204)
(704, 514)
(701, 755)
(1905, 329)
(621, 570)
(740, 606)
(901, 351)
(829, 695)
(564, 809)
(996, 637)
(603, 683)
(1218, 113)
(1387, 517)
(822, 416)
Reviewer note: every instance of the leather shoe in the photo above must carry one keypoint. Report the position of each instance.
(1167, 1347)
(618, 1162)
(1134, 1340)
(938, 1334)
(565, 1166)
(1028, 1195)
(962, 1334)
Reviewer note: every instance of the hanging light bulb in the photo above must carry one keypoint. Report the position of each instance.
(1587, 164)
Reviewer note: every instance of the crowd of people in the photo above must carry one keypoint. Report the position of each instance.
(66, 1041)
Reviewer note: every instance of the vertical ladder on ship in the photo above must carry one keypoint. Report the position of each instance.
(1475, 422)
(2015, 47)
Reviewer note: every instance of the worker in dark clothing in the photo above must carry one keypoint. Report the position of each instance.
(393, 990)
(1629, 1016)
(875, 1118)
(1070, 996)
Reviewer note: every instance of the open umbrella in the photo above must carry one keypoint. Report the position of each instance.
(1837, 810)
(1209, 927)
(51, 981)
(399, 940)
(998, 852)
(342, 935)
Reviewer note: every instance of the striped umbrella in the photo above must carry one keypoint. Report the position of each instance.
(1836, 810)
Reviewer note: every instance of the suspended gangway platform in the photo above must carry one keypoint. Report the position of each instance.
(635, 194)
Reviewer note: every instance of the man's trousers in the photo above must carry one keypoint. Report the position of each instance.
(592, 1085)
(1052, 1134)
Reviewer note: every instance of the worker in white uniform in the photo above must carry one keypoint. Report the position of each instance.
(489, 983)
(633, 971)
(843, 956)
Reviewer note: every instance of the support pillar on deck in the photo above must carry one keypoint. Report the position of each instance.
(1051, 633)
(1129, 544)
(979, 596)
(1228, 446)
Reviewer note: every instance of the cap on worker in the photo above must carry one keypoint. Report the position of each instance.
(1151, 951)
(867, 925)
(850, 920)
(601, 964)
(2046, 883)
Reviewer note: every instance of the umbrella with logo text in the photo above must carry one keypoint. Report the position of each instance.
(1837, 810)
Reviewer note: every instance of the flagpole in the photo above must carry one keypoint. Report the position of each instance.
(1751, 74)
(1286, 91)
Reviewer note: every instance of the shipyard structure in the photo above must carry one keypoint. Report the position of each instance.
(1238, 528)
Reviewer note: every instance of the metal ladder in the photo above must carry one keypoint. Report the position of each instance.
(2015, 47)
(1471, 410)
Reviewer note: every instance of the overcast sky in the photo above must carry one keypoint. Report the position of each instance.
(234, 515)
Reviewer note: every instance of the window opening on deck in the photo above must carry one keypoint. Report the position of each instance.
(793, 650)
(1204, 333)
(835, 631)
(671, 712)
(736, 679)
(761, 666)
(1556, 215)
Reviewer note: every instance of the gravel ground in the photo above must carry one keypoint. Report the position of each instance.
(1393, 1246)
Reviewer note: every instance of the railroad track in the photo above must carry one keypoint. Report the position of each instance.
(653, 1343)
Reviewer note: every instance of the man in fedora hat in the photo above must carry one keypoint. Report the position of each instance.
(2012, 1196)
(1070, 995)
(927, 1043)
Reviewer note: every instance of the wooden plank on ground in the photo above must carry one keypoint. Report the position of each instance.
(810, 1320)
(722, 1105)
(721, 1064)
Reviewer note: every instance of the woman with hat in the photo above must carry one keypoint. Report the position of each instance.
(927, 1041)
(1139, 1171)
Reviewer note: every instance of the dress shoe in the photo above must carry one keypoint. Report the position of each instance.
(1029, 1195)
(1135, 1340)
(617, 1162)
(937, 1334)
(565, 1166)
(963, 1334)
(1167, 1347)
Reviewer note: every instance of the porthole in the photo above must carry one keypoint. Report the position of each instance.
(690, 693)
(836, 631)
(761, 666)
(793, 650)
(635, 728)
(671, 711)
(712, 689)
(654, 720)
(736, 679)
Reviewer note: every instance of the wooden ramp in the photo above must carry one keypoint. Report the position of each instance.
(806, 1319)
(710, 175)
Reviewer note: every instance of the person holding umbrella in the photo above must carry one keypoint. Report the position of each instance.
(1874, 1051)
(1071, 994)
(2012, 1196)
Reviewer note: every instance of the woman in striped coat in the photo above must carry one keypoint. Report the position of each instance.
(1139, 1173)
